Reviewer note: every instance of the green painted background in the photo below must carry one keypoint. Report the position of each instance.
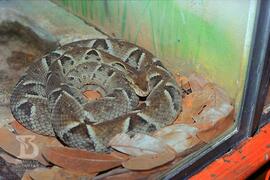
(204, 36)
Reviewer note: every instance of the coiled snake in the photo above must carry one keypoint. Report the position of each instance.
(138, 93)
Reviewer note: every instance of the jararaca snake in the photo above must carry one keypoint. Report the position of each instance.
(139, 95)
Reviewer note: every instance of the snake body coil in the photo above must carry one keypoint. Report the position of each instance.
(138, 93)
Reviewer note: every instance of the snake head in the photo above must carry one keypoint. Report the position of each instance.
(139, 84)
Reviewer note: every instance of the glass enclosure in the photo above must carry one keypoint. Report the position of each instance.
(209, 38)
(200, 36)
(206, 45)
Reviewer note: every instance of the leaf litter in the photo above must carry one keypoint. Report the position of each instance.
(207, 112)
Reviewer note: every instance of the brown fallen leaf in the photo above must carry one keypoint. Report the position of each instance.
(19, 129)
(193, 104)
(184, 83)
(35, 141)
(180, 137)
(92, 95)
(120, 155)
(210, 95)
(185, 117)
(196, 82)
(81, 160)
(26, 177)
(214, 121)
(55, 173)
(135, 175)
(197, 101)
(123, 173)
(40, 140)
(218, 94)
(10, 159)
(150, 161)
(137, 145)
(112, 172)
(9, 143)
(210, 116)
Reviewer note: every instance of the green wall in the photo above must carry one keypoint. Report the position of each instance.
(209, 37)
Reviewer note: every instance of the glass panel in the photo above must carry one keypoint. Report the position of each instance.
(204, 47)
(219, 42)
(201, 37)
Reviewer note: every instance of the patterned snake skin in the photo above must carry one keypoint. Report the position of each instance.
(138, 93)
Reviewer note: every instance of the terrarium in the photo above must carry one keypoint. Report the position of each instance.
(191, 73)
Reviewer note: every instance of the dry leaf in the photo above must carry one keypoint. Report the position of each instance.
(122, 173)
(207, 106)
(218, 94)
(137, 145)
(196, 82)
(185, 117)
(41, 173)
(55, 173)
(81, 160)
(26, 177)
(210, 116)
(183, 82)
(149, 161)
(40, 140)
(35, 141)
(10, 159)
(214, 121)
(197, 101)
(180, 137)
(9, 143)
(120, 155)
(193, 104)
(92, 95)
(18, 127)
(112, 172)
